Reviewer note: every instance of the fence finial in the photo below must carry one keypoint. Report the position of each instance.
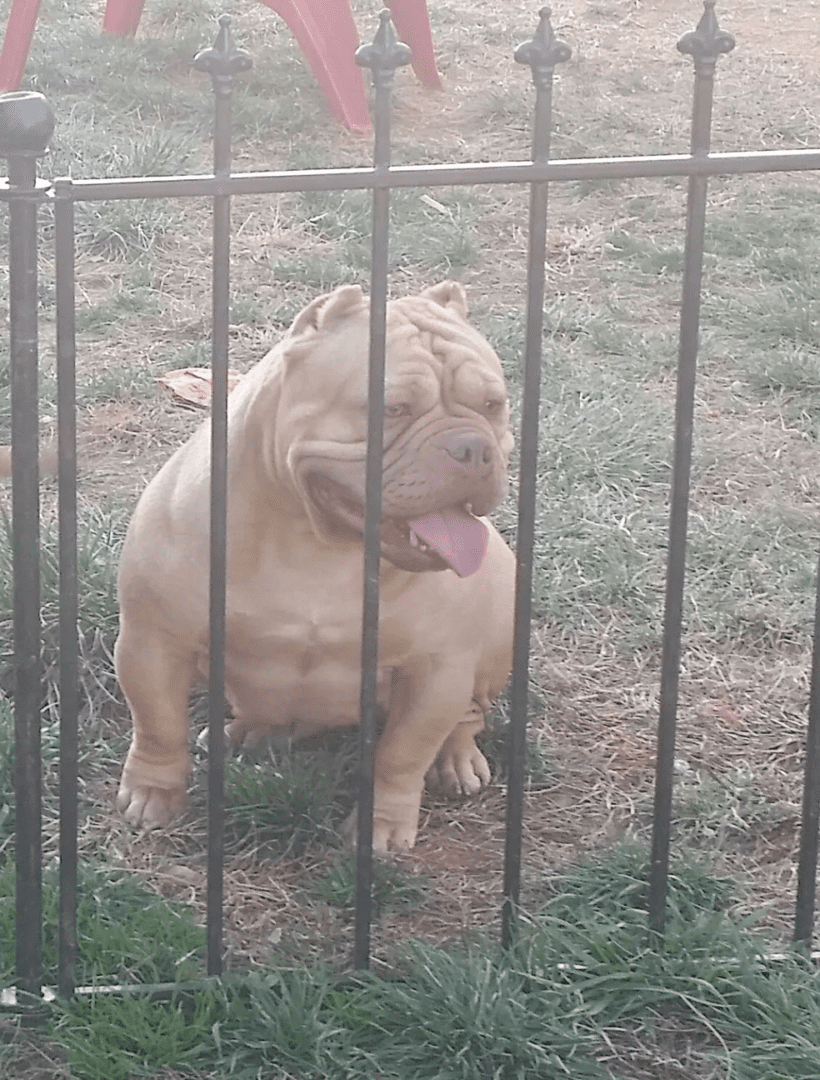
(26, 124)
(224, 60)
(543, 51)
(707, 42)
(385, 53)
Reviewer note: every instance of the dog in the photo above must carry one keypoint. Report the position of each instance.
(296, 470)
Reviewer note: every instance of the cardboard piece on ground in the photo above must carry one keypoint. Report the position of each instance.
(192, 385)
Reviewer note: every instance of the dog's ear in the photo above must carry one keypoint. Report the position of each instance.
(449, 294)
(327, 311)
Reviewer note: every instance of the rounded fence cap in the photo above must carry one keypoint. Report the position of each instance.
(26, 123)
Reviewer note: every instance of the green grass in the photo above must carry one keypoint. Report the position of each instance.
(288, 801)
(72, 59)
(708, 810)
(101, 531)
(437, 236)
(392, 889)
(124, 932)
(760, 306)
(603, 483)
(130, 300)
(580, 983)
(127, 228)
(47, 389)
(539, 769)
(100, 536)
(150, 81)
(138, 384)
(646, 255)
(6, 777)
(142, 1035)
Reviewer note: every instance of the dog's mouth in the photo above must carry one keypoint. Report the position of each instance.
(450, 538)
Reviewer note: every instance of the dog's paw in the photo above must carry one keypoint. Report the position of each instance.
(150, 797)
(459, 769)
(395, 825)
(148, 807)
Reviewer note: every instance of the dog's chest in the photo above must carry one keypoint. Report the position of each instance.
(303, 644)
(287, 666)
(314, 633)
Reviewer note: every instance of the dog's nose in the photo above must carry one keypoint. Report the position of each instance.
(471, 450)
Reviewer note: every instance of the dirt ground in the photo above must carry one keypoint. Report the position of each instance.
(742, 711)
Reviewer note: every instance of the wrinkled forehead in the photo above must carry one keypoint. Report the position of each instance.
(428, 356)
(445, 352)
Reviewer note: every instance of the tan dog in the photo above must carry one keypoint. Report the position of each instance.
(296, 465)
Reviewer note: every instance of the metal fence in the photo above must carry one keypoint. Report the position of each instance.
(26, 123)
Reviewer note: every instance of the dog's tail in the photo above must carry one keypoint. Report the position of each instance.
(47, 461)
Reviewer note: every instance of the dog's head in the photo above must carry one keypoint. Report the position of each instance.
(446, 425)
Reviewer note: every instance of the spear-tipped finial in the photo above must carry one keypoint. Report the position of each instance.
(706, 44)
(543, 51)
(385, 53)
(224, 60)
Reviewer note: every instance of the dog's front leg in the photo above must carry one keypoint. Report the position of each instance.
(426, 703)
(155, 680)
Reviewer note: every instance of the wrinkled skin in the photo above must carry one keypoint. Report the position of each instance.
(296, 465)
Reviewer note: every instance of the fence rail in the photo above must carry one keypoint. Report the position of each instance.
(25, 128)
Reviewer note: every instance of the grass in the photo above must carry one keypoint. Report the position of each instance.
(125, 933)
(708, 809)
(431, 235)
(288, 801)
(133, 298)
(578, 988)
(47, 390)
(136, 383)
(392, 889)
(100, 534)
(602, 518)
(101, 531)
(126, 229)
(6, 776)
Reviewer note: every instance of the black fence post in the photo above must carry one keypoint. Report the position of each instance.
(69, 586)
(223, 61)
(26, 125)
(705, 45)
(542, 53)
(382, 57)
(810, 817)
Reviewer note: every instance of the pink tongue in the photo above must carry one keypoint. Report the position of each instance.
(458, 537)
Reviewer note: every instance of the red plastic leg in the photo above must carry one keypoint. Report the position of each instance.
(327, 35)
(122, 16)
(412, 23)
(17, 42)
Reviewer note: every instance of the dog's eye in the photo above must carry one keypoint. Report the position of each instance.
(494, 406)
(397, 410)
